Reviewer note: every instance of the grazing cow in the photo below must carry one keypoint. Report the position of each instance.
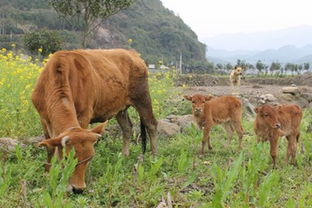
(235, 78)
(273, 122)
(86, 86)
(209, 111)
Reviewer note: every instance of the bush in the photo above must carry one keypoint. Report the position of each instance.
(44, 41)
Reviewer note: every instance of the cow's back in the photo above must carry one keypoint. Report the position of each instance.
(224, 108)
(289, 116)
(96, 82)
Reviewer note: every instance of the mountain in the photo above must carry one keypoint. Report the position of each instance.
(296, 36)
(156, 32)
(283, 54)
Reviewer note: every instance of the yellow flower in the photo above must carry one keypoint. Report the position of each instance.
(13, 45)
(39, 50)
(3, 49)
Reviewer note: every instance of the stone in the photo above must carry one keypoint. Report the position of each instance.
(291, 90)
(267, 98)
(8, 144)
(166, 128)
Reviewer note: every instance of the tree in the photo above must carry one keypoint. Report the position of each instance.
(219, 66)
(275, 66)
(259, 66)
(43, 41)
(306, 66)
(228, 66)
(85, 14)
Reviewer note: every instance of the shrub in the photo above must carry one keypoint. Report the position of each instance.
(44, 41)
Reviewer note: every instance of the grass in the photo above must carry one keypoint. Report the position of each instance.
(224, 177)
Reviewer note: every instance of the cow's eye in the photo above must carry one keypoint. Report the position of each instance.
(266, 115)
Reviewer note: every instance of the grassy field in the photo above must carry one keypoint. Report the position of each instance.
(224, 177)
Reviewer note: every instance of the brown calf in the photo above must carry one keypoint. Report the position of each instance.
(209, 111)
(273, 122)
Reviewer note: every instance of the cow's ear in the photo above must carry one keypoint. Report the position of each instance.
(208, 97)
(50, 143)
(188, 97)
(256, 109)
(99, 129)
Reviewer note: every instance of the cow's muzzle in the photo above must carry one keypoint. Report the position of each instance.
(278, 126)
(77, 190)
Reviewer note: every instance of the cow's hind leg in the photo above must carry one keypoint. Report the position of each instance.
(229, 130)
(144, 108)
(125, 124)
(291, 149)
(237, 125)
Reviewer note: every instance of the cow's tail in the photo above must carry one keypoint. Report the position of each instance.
(143, 137)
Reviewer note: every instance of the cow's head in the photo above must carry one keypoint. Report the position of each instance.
(268, 115)
(198, 103)
(82, 140)
(238, 70)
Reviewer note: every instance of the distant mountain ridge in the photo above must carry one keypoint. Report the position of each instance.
(296, 36)
(283, 54)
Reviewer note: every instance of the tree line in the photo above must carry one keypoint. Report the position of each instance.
(262, 68)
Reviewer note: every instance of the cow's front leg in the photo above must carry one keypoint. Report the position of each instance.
(206, 139)
(273, 149)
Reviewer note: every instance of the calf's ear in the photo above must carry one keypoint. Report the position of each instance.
(50, 143)
(208, 97)
(188, 97)
(256, 109)
(99, 129)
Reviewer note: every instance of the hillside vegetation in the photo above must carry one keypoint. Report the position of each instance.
(155, 31)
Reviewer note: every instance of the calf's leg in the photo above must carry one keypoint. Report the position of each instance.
(229, 130)
(125, 124)
(206, 139)
(291, 149)
(240, 132)
(273, 149)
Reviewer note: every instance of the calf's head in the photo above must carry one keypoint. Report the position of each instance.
(82, 140)
(268, 115)
(198, 103)
(238, 70)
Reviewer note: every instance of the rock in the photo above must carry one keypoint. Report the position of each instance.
(8, 144)
(168, 129)
(249, 107)
(291, 90)
(33, 140)
(267, 98)
(184, 121)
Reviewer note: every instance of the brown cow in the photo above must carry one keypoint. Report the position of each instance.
(273, 122)
(85, 86)
(209, 111)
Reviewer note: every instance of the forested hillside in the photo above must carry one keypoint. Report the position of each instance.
(155, 31)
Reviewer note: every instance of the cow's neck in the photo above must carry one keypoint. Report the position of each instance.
(62, 115)
(199, 120)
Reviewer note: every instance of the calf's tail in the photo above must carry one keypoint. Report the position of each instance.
(143, 137)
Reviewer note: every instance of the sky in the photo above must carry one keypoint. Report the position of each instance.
(210, 18)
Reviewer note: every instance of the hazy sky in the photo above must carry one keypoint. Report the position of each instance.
(214, 17)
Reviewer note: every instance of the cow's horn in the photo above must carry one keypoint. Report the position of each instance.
(64, 140)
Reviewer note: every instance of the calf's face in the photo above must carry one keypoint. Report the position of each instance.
(198, 103)
(82, 140)
(238, 71)
(268, 115)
